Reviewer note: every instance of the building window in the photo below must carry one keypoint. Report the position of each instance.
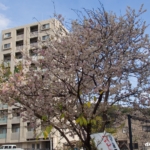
(45, 37)
(7, 57)
(45, 26)
(3, 114)
(3, 129)
(6, 60)
(146, 128)
(7, 46)
(18, 55)
(33, 52)
(20, 32)
(19, 43)
(33, 146)
(15, 128)
(29, 127)
(15, 113)
(7, 35)
(33, 40)
(134, 145)
(38, 146)
(32, 67)
(34, 28)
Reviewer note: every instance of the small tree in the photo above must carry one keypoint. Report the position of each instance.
(91, 67)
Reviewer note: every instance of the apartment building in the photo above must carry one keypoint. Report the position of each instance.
(27, 38)
(15, 42)
(140, 127)
(14, 131)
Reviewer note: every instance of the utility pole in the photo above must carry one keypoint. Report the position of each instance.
(130, 131)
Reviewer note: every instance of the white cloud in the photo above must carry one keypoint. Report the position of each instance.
(3, 7)
(4, 22)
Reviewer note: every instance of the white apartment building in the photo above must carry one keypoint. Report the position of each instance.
(26, 38)
(15, 41)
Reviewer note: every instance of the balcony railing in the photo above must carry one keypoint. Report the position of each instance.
(3, 120)
(20, 36)
(15, 136)
(35, 44)
(34, 33)
(19, 47)
(3, 136)
(15, 119)
(30, 135)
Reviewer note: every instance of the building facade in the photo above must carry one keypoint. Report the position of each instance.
(140, 129)
(15, 42)
(25, 39)
(13, 130)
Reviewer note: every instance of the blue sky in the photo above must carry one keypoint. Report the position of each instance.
(19, 12)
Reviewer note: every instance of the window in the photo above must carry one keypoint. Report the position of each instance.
(20, 32)
(29, 128)
(19, 43)
(45, 26)
(3, 114)
(33, 52)
(3, 129)
(134, 145)
(32, 67)
(33, 146)
(15, 113)
(7, 57)
(15, 128)
(18, 55)
(7, 35)
(33, 40)
(146, 128)
(45, 37)
(7, 46)
(38, 146)
(34, 28)
(14, 147)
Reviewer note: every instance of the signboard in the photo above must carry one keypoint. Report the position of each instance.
(147, 144)
(104, 141)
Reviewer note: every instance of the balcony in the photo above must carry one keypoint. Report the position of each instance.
(19, 48)
(18, 55)
(3, 136)
(3, 120)
(20, 34)
(34, 44)
(19, 45)
(30, 135)
(20, 37)
(15, 120)
(35, 33)
(15, 136)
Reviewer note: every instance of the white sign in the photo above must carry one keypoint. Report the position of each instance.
(147, 144)
(104, 141)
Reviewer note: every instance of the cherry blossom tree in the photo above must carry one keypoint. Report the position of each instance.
(83, 74)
